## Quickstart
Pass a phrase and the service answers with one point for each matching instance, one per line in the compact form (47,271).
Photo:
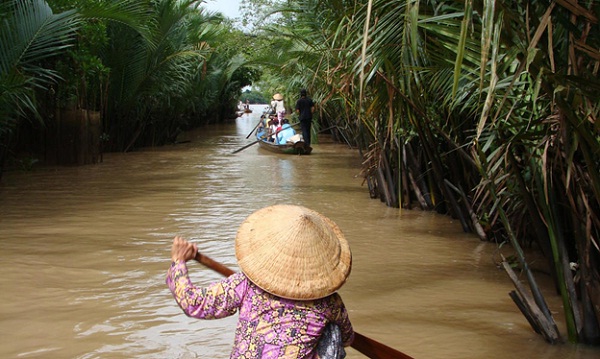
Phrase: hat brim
(293,252)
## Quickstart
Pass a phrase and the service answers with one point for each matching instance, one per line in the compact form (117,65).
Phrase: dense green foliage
(254,97)
(152,68)
(485,110)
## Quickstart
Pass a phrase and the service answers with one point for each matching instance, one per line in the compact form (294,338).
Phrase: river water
(85,251)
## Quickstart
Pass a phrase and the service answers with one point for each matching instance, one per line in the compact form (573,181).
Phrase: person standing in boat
(285,133)
(305,107)
(278,106)
(286,293)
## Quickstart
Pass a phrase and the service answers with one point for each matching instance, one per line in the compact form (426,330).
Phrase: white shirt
(278,105)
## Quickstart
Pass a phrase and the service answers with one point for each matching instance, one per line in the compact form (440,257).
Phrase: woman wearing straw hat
(278,106)
(291,267)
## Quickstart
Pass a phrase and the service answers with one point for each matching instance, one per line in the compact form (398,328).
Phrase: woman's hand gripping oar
(369,347)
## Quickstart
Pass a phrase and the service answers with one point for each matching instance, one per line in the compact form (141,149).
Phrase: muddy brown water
(85,252)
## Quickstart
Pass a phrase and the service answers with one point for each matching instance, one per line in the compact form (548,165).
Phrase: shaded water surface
(85,251)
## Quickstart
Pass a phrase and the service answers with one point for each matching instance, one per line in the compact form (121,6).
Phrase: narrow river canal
(85,252)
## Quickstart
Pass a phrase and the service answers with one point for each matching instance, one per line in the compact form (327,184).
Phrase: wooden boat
(294,146)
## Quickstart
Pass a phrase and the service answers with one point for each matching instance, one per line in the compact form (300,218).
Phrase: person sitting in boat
(273,129)
(285,133)
(292,266)
(268,130)
(260,129)
(266,122)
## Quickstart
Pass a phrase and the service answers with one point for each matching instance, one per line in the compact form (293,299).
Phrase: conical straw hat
(293,252)
(277,97)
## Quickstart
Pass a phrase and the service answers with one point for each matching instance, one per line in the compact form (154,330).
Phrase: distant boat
(243,108)
(242,111)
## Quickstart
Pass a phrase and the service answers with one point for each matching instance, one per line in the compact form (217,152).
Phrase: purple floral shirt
(269,327)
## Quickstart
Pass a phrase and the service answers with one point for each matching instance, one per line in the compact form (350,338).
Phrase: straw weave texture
(293,252)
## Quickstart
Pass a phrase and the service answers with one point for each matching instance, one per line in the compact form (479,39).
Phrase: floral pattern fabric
(269,327)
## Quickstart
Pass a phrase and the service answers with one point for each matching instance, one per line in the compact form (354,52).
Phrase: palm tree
(32,36)
(30,33)
(485,110)
(178,77)
(142,64)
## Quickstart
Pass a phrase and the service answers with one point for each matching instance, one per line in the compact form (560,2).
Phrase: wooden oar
(375,350)
(248,145)
(214,265)
(369,347)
